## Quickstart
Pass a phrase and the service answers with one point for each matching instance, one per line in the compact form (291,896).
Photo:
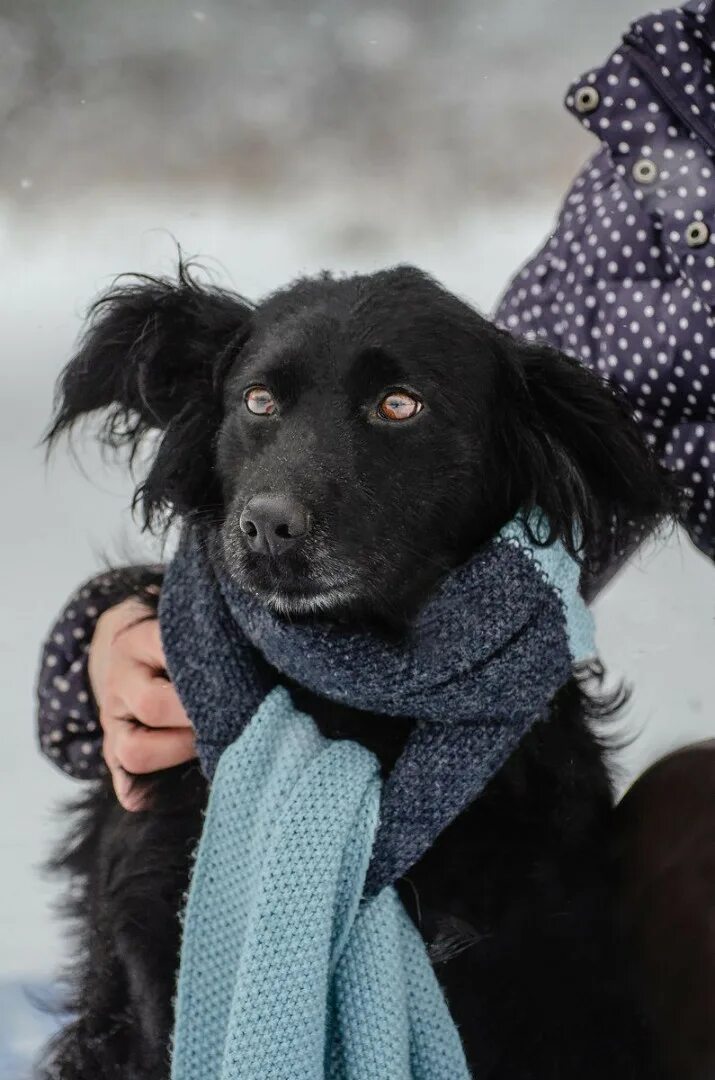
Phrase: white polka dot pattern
(626,282)
(69,729)
(68,725)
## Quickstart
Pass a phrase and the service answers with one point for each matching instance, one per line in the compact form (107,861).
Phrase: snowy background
(272,138)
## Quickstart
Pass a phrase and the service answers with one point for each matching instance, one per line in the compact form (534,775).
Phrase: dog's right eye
(259,401)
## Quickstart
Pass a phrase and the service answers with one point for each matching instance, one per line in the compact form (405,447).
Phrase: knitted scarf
(480,666)
(286,972)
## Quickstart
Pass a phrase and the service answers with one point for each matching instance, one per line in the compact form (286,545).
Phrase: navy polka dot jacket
(626,283)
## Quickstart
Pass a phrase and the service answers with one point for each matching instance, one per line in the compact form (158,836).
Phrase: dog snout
(273,524)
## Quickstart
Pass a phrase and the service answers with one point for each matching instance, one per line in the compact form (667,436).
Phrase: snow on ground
(657,623)
(27,1019)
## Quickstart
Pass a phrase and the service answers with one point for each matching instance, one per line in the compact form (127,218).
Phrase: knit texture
(286,972)
(480,666)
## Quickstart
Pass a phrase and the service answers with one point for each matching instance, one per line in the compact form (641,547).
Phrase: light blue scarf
(287,973)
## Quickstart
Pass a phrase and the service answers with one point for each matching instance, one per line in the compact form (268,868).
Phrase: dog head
(354,438)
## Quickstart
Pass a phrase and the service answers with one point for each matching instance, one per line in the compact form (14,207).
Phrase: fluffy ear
(577,452)
(152,358)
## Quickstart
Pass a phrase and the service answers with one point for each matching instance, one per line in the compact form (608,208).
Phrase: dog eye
(260,401)
(399,405)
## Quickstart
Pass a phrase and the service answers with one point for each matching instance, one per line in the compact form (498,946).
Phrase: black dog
(353,440)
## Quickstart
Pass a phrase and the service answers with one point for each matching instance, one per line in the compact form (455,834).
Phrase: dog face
(353,443)
(353,439)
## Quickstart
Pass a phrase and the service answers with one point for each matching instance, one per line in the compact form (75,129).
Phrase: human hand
(145,728)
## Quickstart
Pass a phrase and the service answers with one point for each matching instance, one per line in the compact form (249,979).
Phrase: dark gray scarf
(484,659)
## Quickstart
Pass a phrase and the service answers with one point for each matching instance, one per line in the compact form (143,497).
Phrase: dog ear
(153,358)
(577,452)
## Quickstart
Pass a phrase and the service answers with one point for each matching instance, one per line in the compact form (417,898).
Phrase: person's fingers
(130,750)
(132,686)
(153,701)
(126,659)
(123,635)
(128,795)
(141,641)
(139,750)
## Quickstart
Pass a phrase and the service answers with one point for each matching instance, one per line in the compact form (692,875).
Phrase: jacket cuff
(67,720)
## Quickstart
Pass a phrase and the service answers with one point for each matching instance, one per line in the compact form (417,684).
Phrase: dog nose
(272,524)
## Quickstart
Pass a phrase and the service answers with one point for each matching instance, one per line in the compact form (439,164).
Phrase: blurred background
(271,138)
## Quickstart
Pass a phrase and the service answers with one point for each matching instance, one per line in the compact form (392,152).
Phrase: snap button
(586,99)
(645,171)
(697,234)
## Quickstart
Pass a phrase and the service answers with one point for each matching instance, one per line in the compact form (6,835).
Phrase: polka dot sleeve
(626,280)
(68,724)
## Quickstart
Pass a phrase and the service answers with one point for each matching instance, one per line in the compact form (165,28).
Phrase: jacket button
(645,171)
(697,234)
(586,99)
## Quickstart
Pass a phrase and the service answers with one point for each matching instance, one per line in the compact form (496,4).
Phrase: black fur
(516,898)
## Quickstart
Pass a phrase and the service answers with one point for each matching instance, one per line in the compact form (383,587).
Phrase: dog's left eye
(260,401)
(399,405)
